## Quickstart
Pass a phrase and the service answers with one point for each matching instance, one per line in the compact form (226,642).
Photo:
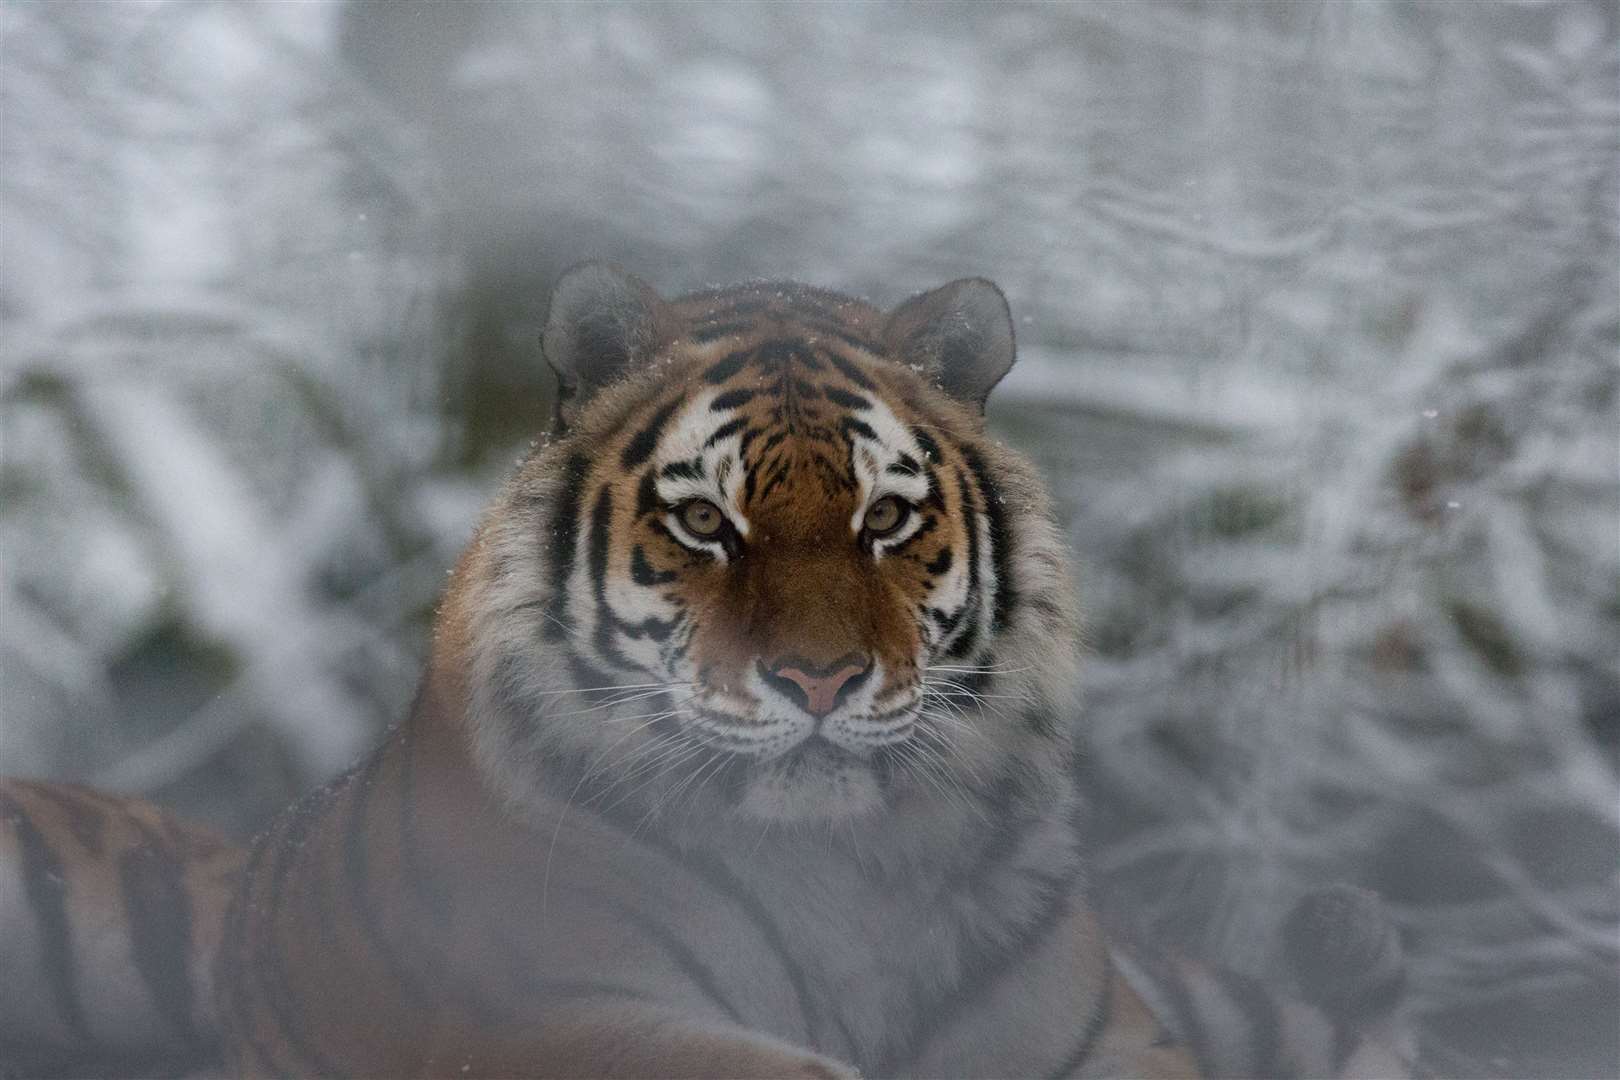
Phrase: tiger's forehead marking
(775,419)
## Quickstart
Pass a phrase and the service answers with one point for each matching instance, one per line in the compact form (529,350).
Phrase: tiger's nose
(818,689)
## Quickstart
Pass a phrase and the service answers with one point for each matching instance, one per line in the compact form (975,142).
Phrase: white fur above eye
(879,465)
(718,467)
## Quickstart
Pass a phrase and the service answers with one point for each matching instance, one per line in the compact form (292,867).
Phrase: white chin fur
(813,787)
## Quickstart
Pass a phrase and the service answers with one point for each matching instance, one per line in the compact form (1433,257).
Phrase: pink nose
(818,690)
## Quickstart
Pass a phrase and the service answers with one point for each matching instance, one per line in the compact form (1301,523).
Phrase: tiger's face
(794,554)
(772,568)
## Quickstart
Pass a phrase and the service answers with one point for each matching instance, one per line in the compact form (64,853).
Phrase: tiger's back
(743,747)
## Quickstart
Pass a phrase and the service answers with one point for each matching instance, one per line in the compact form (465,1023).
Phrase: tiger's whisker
(613,686)
(967,670)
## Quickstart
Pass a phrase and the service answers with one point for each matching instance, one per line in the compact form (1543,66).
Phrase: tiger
(744,749)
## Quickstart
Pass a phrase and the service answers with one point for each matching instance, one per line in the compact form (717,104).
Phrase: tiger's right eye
(885,516)
(702,518)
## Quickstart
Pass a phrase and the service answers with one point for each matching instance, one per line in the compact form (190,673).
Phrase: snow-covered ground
(1319,308)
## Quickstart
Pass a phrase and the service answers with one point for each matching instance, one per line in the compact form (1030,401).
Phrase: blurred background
(1319,316)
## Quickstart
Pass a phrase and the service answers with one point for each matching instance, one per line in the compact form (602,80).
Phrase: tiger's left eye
(885,516)
(702,518)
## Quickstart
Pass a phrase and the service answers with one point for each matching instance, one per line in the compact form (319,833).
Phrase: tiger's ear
(961,334)
(602,323)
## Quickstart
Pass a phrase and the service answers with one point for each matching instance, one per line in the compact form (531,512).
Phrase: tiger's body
(741,750)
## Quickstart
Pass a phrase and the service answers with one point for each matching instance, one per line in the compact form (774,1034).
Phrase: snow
(1319,325)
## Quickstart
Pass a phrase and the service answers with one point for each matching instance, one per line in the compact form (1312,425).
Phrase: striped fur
(110,919)
(643,820)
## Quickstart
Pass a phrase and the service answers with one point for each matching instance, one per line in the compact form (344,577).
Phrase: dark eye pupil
(702,518)
(884,516)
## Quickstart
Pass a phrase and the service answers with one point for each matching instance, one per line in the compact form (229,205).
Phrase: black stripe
(641,447)
(647,500)
(725,431)
(584,675)
(965,630)
(847,399)
(433,892)
(1004,597)
(229,990)
(941,563)
(969,630)
(905,466)
(564,522)
(844,334)
(715,331)
(47,887)
(653,629)
(837,477)
(779,473)
(85,820)
(686,960)
(1016,821)
(946,621)
(850,371)
(235,973)
(859,427)
(269,960)
(720,878)
(691,469)
(597,554)
(1101,1011)
(361,783)
(607,621)
(421,879)
(642,572)
(728,367)
(930,448)
(731,399)
(778,355)
(158,910)
(936,495)
(601,520)
(717,876)
(980,973)
(979,681)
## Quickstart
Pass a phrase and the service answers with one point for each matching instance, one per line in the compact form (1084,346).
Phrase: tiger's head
(769,565)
